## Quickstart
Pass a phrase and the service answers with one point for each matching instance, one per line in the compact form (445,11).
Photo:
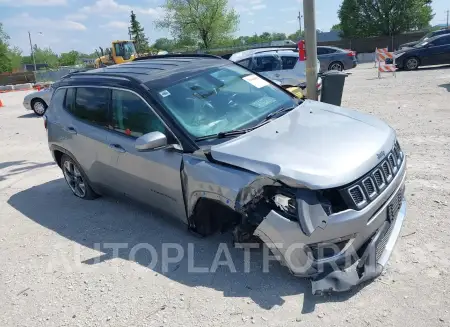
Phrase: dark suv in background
(425,38)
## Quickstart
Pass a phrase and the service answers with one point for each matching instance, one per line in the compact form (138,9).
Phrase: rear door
(84,123)
(153,176)
(324,54)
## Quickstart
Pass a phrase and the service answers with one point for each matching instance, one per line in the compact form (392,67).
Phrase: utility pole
(309,10)
(129,32)
(32,51)
(300,21)
(447,18)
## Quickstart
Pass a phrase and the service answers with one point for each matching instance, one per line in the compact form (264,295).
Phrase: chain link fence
(53,75)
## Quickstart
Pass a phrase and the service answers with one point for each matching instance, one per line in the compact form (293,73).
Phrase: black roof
(159,71)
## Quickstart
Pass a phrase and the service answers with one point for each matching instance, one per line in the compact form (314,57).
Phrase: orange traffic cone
(1,103)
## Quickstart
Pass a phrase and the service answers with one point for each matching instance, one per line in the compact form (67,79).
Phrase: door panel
(152,176)
(83,122)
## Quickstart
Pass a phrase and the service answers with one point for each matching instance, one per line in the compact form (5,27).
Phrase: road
(57,270)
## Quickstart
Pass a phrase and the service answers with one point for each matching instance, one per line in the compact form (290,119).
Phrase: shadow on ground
(30,115)
(23,166)
(107,220)
(446,86)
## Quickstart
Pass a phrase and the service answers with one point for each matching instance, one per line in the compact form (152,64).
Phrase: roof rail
(181,55)
(275,50)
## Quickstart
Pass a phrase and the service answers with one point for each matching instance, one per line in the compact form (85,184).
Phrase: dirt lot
(52,273)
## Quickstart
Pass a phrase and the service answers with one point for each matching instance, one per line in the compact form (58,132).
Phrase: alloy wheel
(74,179)
(39,107)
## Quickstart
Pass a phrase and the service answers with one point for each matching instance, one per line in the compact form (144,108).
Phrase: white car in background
(277,64)
(38,101)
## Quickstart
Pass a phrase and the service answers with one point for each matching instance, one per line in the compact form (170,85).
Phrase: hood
(316,145)
(408,45)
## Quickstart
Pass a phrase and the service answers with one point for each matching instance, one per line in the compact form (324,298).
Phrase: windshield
(425,37)
(421,44)
(125,50)
(222,99)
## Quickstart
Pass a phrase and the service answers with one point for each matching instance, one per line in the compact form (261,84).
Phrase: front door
(153,176)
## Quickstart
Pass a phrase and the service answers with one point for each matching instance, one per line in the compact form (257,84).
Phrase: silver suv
(219,147)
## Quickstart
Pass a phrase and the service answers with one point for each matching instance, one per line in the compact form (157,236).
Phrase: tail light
(351,53)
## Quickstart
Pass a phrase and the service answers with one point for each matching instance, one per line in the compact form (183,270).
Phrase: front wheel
(411,63)
(39,107)
(76,179)
(336,65)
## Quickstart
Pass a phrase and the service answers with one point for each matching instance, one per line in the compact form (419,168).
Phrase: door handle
(70,130)
(117,148)
(277,75)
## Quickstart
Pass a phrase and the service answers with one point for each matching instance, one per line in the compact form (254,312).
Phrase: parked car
(425,38)
(333,58)
(220,147)
(433,51)
(38,101)
(277,64)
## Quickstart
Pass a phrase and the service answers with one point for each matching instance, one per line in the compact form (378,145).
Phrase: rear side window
(58,98)
(289,62)
(91,105)
(68,101)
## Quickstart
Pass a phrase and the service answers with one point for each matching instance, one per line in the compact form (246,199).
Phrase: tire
(76,179)
(336,65)
(39,107)
(411,63)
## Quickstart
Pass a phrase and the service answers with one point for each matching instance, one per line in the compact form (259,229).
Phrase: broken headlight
(285,203)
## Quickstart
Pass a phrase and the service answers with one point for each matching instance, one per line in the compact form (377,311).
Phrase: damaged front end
(316,235)
(337,237)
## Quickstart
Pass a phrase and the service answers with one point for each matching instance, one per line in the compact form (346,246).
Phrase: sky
(84,25)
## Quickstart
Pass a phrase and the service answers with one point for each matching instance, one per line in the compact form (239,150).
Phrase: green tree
(69,58)
(361,18)
(208,21)
(15,55)
(297,36)
(5,60)
(138,35)
(336,27)
(164,44)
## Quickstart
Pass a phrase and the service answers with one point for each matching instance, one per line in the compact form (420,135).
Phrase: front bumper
(368,244)
(27,105)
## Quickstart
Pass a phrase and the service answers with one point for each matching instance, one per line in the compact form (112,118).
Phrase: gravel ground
(52,273)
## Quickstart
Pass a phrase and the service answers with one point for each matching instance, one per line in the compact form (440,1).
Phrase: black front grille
(357,194)
(379,179)
(371,185)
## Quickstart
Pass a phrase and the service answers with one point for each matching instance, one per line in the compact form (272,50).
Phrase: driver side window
(132,116)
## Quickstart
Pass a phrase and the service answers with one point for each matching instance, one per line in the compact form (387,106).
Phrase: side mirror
(150,141)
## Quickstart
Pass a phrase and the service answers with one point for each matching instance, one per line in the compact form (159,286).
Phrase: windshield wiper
(279,112)
(236,132)
(222,135)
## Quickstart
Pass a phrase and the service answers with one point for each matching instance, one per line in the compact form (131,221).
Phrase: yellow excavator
(120,52)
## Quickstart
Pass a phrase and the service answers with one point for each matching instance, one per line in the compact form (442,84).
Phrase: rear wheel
(39,107)
(336,65)
(76,179)
(412,63)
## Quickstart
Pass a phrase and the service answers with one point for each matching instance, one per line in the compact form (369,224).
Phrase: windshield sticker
(164,93)
(263,102)
(255,81)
